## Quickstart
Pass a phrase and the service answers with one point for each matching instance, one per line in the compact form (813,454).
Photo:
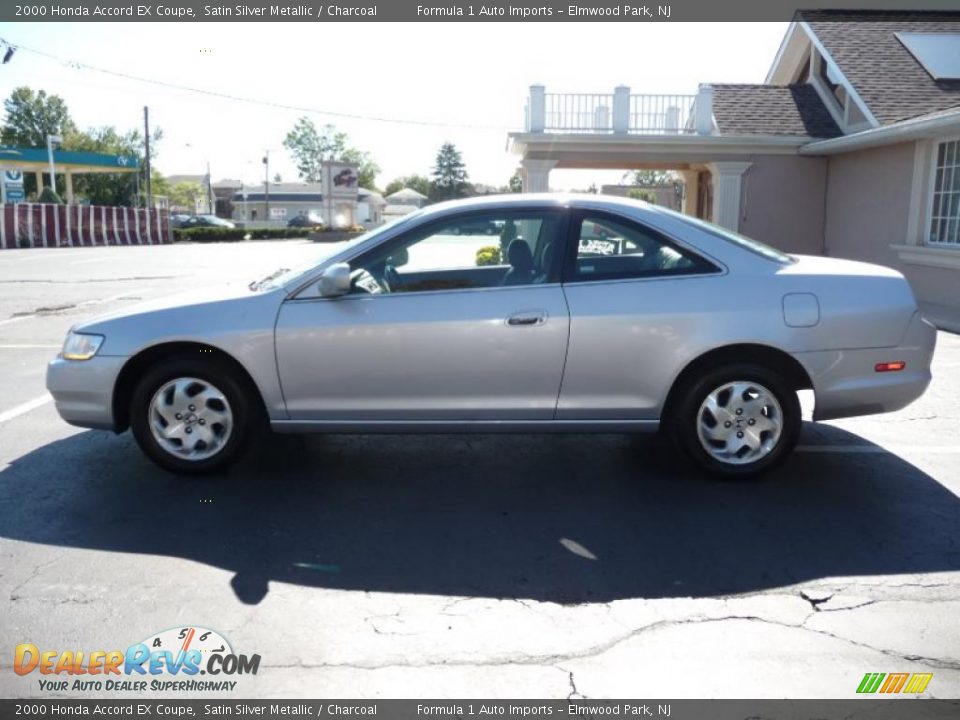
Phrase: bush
(49,196)
(275,233)
(220,234)
(210,234)
(489,255)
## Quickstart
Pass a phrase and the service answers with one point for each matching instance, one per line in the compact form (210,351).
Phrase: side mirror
(335,280)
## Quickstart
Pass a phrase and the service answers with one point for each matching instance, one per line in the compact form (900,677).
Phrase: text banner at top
(443,10)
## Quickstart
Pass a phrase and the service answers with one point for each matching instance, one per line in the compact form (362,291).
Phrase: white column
(704,110)
(621,109)
(727,181)
(537,109)
(536,174)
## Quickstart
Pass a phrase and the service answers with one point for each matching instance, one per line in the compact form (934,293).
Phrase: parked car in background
(177,219)
(680,326)
(306,220)
(475,227)
(206,221)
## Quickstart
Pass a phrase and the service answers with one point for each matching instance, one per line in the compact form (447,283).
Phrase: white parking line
(25,407)
(26,347)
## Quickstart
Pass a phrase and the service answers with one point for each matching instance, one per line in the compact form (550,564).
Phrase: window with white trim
(945,215)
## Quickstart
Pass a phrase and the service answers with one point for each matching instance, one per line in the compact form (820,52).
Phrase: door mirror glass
(335,280)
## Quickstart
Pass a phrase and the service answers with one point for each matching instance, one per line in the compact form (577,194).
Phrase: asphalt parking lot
(469,566)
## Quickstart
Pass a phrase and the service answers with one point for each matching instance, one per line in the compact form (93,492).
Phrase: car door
(637,300)
(438,326)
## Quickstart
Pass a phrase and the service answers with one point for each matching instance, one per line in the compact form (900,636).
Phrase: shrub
(49,196)
(489,255)
(220,234)
(209,234)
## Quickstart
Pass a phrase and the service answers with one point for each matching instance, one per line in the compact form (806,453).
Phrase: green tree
(449,174)
(184,195)
(310,148)
(29,118)
(515,184)
(115,188)
(415,182)
(651,177)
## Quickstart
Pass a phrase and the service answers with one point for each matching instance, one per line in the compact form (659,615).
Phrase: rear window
(754,246)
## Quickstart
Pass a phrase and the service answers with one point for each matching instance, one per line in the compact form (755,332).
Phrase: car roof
(521,200)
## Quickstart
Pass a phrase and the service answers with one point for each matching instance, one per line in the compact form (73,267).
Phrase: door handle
(527,318)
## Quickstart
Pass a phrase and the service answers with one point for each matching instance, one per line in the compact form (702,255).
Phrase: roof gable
(885,75)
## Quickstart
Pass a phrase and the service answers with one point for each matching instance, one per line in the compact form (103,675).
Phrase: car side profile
(605,315)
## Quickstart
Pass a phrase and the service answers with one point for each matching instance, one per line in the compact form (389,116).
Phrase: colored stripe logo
(914,683)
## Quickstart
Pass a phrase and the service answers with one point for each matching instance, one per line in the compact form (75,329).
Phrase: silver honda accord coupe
(524,313)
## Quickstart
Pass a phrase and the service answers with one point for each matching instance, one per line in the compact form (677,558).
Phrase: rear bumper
(83,391)
(846,384)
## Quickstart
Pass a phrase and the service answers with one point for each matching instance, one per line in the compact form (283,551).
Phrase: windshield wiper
(257,284)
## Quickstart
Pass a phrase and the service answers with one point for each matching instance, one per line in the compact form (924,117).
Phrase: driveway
(469,566)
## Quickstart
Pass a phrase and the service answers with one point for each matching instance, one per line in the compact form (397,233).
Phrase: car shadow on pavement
(568,519)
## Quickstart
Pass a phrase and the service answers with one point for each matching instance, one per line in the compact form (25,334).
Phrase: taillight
(895,366)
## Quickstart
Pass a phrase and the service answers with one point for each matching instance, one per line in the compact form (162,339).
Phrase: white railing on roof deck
(619,112)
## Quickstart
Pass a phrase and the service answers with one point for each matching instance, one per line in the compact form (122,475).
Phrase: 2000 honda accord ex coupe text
(562,314)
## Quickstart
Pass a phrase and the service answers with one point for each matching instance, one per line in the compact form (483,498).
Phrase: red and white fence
(28,225)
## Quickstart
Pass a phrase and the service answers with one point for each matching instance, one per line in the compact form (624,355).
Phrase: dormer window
(836,94)
(938,53)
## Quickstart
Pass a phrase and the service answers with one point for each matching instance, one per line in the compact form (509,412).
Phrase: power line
(77,65)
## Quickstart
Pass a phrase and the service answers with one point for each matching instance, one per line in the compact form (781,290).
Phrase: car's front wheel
(192,416)
(737,420)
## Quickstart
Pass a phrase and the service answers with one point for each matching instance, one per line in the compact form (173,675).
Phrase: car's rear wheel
(192,416)
(738,420)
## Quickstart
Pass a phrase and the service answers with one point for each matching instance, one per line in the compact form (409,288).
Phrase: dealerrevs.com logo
(169,661)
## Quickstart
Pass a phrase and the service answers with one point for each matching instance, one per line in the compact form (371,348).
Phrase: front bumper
(83,390)
(846,384)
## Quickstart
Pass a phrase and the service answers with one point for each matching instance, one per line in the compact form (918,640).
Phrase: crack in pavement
(574,693)
(553,659)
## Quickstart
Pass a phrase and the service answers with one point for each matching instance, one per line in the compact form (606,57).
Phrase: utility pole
(211,199)
(146,143)
(266,183)
(51,139)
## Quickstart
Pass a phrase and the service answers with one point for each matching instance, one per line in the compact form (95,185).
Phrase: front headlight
(79,346)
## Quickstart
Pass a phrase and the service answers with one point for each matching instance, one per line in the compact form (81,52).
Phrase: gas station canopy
(66,162)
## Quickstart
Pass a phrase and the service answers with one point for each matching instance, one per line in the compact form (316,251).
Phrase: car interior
(606,250)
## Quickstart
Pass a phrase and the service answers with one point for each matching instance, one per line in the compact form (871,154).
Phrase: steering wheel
(391,278)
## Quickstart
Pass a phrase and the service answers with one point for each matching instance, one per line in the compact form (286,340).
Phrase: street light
(51,139)
(211,199)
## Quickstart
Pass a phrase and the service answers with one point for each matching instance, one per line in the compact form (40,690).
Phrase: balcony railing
(619,112)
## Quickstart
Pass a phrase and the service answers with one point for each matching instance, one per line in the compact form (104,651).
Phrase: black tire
(684,419)
(246,412)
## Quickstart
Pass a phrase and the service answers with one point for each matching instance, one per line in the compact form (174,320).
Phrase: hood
(181,300)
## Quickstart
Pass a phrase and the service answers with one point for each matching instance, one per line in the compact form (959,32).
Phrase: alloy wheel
(740,422)
(190,418)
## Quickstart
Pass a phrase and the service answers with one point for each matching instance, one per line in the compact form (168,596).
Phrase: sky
(466,83)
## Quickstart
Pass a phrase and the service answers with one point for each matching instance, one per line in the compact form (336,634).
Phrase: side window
(476,250)
(614,249)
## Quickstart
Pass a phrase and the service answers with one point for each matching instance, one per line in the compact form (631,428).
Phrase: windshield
(281,276)
(754,246)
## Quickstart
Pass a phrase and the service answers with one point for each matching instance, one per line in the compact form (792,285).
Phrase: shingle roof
(884,73)
(772,110)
